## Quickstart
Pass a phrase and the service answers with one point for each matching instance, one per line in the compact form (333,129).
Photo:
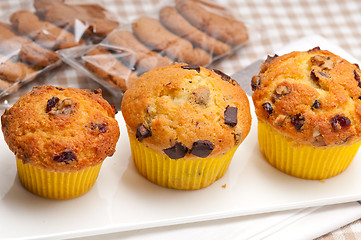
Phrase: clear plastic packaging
(31,35)
(195,32)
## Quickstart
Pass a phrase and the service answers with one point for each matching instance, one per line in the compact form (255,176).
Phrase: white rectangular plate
(123,200)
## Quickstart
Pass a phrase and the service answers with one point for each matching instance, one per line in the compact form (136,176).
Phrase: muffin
(308,106)
(184,124)
(60,138)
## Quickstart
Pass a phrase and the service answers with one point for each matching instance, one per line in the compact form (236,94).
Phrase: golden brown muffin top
(61,129)
(187,111)
(313,97)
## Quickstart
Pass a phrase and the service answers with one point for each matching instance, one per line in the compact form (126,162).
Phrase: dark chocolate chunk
(65,157)
(51,103)
(316,104)
(357,77)
(358,67)
(315,48)
(314,77)
(298,120)
(60,89)
(192,67)
(338,122)
(177,151)
(255,82)
(102,127)
(230,116)
(202,148)
(97,91)
(224,76)
(142,132)
(268,107)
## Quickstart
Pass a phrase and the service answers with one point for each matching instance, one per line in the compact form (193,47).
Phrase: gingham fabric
(272,24)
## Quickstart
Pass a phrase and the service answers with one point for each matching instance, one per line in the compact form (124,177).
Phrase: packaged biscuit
(188,31)
(31,34)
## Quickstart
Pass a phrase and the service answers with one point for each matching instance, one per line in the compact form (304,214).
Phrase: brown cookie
(170,17)
(44,33)
(25,49)
(152,33)
(15,71)
(93,17)
(145,59)
(222,28)
(102,63)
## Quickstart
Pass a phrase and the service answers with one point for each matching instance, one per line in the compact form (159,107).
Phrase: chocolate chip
(102,127)
(268,107)
(60,89)
(358,67)
(51,103)
(97,91)
(230,116)
(298,120)
(224,76)
(255,82)
(316,104)
(142,132)
(313,76)
(202,148)
(338,122)
(357,77)
(177,151)
(65,157)
(314,49)
(192,67)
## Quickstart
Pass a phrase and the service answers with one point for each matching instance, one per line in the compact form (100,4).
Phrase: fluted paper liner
(184,173)
(56,185)
(306,162)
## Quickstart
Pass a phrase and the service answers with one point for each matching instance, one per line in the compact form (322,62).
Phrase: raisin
(192,67)
(177,151)
(202,148)
(142,132)
(65,157)
(339,122)
(255,82)
(298,120)
(316,104)
(268,107)
(51,103)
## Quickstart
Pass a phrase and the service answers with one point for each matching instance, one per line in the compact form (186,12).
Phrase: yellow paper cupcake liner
(56,185)
(184,174)
(306,162)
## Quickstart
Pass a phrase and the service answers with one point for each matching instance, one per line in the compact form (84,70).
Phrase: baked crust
(48,135)
(185,104)
(313,97)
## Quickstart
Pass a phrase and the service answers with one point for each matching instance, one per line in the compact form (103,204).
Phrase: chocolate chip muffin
(308,106)
(184,124)
(60,137)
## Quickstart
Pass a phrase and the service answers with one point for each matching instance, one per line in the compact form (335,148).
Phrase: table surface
(272,24)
